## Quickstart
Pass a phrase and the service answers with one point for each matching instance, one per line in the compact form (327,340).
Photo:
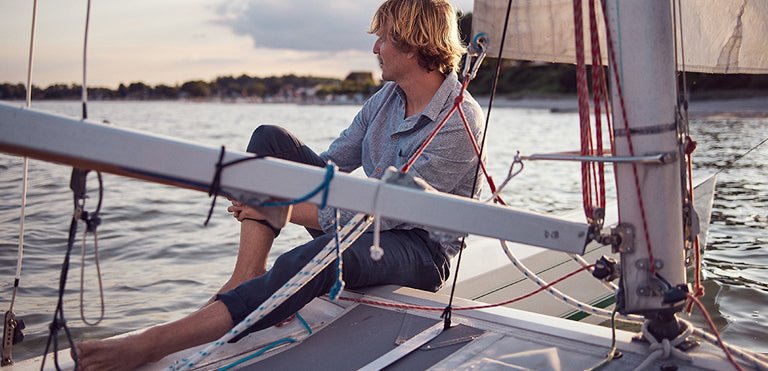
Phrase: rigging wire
(730,163)
(447,311)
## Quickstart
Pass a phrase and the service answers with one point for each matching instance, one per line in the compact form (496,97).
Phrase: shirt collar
(435,105)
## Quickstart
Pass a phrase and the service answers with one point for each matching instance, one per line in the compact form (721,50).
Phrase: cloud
(312,25)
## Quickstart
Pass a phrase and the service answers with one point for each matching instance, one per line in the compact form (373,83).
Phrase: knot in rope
(56,325)
(698,291)
(665,348)
(92,220)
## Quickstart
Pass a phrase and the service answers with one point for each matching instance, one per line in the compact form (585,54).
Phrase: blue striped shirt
(381,136)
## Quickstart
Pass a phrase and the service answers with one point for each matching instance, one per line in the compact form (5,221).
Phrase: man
(418,48)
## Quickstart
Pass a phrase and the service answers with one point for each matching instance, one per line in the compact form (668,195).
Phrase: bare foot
(124,353)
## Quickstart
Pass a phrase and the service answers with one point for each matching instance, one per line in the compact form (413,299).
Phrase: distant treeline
(517,79)
(221,87)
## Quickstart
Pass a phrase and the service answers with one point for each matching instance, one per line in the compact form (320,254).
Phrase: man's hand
(241,212)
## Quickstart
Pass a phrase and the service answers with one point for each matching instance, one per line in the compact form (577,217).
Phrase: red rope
(485,306)
(598,82)
(612,56)
(584,121)
(698,288)
(714,329)
(456,107)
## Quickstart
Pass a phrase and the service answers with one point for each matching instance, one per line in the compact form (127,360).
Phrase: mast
(643,38)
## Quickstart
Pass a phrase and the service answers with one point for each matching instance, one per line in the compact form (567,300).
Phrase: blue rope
(324,187)
(270,346)
(338,286)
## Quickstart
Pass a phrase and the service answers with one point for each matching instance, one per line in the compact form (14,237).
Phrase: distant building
(361,78)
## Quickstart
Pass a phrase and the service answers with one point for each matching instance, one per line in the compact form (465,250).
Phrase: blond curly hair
(428,27)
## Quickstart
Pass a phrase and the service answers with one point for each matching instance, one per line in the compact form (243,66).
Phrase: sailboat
(397,327)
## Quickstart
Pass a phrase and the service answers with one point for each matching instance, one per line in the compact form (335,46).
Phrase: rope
(98,275)
(713,328)
(351,231)
(579,305)
(84,89)
(25,165)
(510,174)
(270,346)
(23,209)
(665,348)
(613,353)
(338,286)
(59,322)
(473,307)
(215,187)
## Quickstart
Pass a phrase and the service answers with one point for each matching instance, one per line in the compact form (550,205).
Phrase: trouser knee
(269,140)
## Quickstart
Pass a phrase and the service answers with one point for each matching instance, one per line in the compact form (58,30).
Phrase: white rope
(584,307)
(755,359)
(25,165)
(84,87)
(82,278)
(665,348)
(376,251)
(326,256)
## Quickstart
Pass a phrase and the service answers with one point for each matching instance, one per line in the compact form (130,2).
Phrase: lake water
(159,262)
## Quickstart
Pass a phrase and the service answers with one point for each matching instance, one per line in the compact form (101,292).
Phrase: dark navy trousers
(410,258)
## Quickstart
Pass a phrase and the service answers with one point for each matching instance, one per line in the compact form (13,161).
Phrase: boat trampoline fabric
(364,334)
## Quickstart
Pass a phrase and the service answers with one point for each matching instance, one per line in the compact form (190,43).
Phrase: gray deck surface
(364,334)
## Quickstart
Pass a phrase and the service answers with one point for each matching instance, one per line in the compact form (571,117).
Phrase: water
(159,263)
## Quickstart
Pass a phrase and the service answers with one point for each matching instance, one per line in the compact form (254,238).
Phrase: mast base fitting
(665,325)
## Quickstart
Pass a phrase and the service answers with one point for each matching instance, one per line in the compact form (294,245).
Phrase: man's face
(394,62)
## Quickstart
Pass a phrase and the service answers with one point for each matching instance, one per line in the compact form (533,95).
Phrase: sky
(173,41)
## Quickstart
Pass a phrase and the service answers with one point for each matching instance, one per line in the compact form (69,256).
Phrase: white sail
(719,36)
